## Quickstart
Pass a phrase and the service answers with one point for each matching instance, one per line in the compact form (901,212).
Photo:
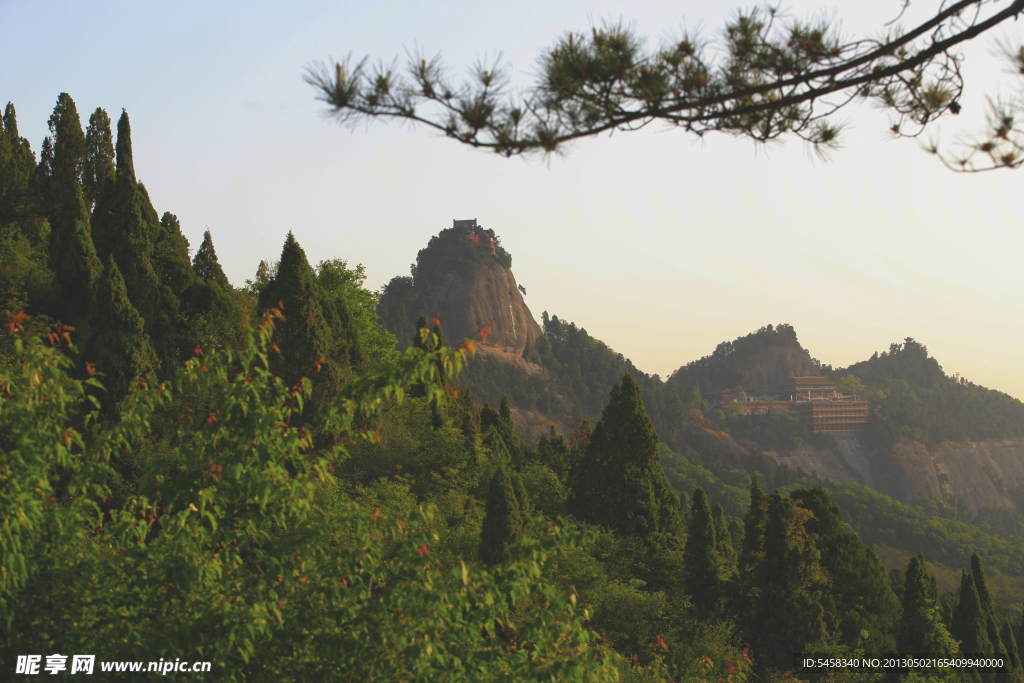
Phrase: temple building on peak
(815,400)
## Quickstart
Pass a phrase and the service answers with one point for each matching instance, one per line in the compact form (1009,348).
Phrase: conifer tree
(968,623)
(1020,637)
(620,484)
(788,616)
(525,511)
(98,163)
(125,225)
(553,451)
(17,165)
(1009,643)
(73,258)
(723,543)
(180,297)
(64,167)
(119,346)
(753,528)
(500,524)
(921,630)
(309,346)
(700,554)
(859,598)
(206,265)
(989,610)
(170,256)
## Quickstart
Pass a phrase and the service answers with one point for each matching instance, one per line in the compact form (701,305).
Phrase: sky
(659,244)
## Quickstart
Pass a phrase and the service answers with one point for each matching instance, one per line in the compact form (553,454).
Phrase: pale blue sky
(656,243)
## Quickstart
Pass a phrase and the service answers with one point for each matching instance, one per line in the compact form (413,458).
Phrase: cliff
(463,278)
(486,297)
(982,474)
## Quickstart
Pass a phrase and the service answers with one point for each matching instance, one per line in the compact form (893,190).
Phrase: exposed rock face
(980,473)
(768,368)
(463,278)
(485,298)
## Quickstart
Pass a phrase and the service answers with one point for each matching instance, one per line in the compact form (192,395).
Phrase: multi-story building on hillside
(815,400)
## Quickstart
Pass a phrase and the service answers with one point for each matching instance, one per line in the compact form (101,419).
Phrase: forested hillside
(263,478)
(916,400)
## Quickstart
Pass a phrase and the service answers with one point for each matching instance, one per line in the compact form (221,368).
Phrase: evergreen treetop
(65,167)
(206,265)
(501,523)
(620,483)
(968,624)
(921,629)
(700,554)
(98,164)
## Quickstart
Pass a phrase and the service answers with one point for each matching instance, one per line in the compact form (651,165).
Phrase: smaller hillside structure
(815,400)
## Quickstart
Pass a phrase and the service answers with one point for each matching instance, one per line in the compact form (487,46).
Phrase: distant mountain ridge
(929,435)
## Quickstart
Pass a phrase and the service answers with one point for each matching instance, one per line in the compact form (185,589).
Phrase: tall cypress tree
(118,345)
(17,165)
(500,524)
(206,265)
(98,163)
(170,256)
(989,610)
(621,484)
(788,615)
(921,630)
(309,346)
(64,168)
(700,554)
(125,226)
(73,258)
(968,623)
(723,543)
(859,598)
(753,528)
(1010,647)
(525,511)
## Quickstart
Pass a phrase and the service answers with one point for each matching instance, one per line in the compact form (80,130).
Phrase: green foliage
(502,522)
(765,80)
(62,169)
(701,554)
(776,429)
(916,400)
(229,554)
(98,162)
(921,630)
(206,265)
(17,166)
(788,611)
(119,345)
(317,337)
(126,226)
(969,620)
(723,543)
(583,371)
(73,258)
(725,367)
(620,484)
(337,280)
